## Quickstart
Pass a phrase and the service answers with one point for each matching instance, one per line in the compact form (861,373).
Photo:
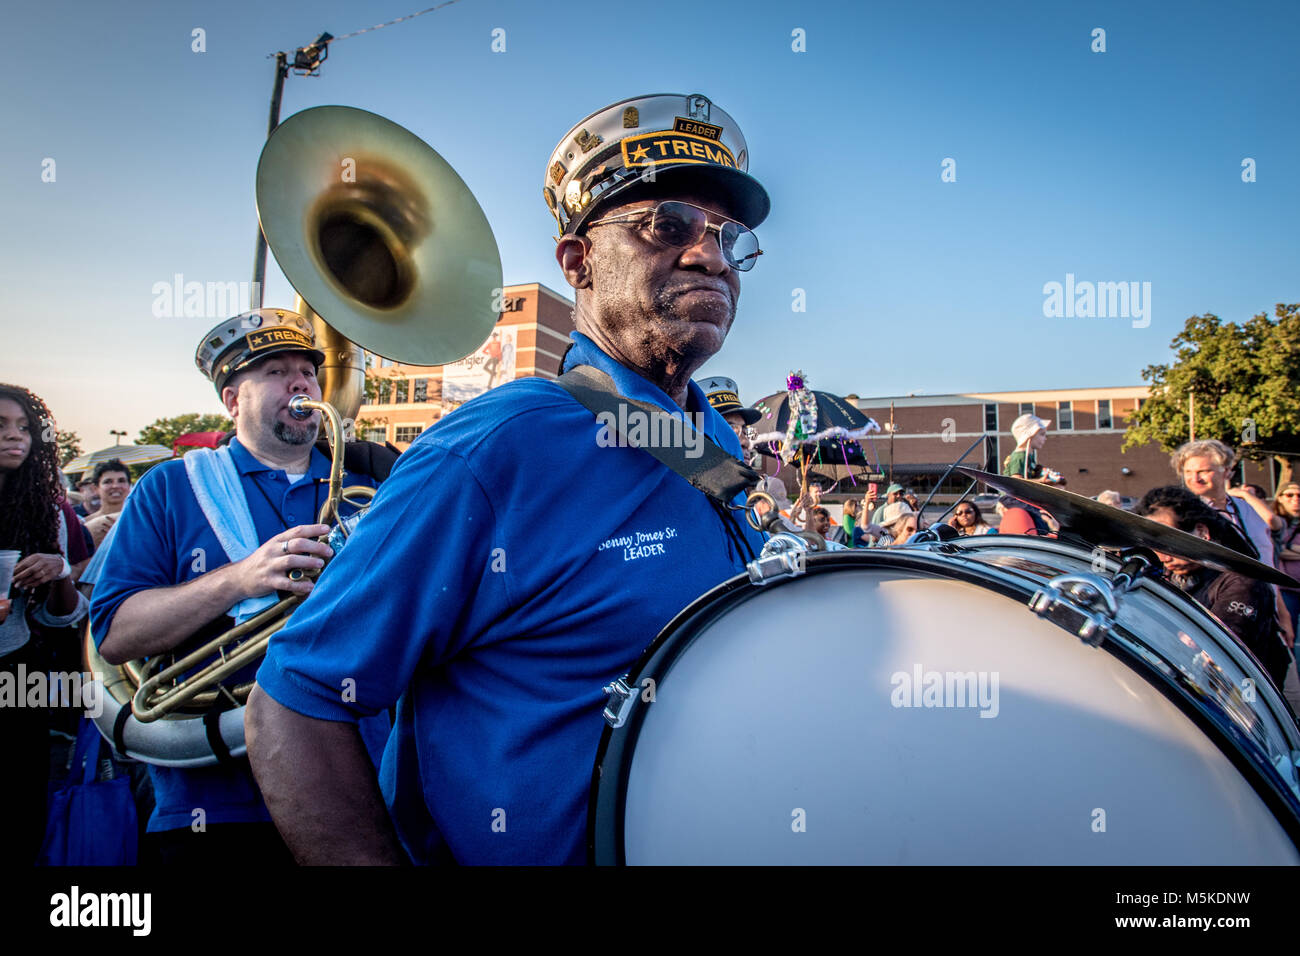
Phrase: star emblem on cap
(639,154)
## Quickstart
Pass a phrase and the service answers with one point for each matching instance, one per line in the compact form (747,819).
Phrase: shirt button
(292,519)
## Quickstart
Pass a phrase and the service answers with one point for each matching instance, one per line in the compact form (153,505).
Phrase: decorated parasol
(802,427)
(800,422)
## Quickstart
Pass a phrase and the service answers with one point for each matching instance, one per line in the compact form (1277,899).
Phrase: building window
(408,433)
(1141,402)
(385,363)
(421,390)
(1103,413)
(376,434)
(383,392)
(991,418)
(1026,408)
(1064,416)
(400,391)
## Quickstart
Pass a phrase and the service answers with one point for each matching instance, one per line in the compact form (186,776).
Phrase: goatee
(295,433)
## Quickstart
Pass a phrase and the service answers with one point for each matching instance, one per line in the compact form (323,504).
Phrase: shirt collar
(246,464)
(586,352)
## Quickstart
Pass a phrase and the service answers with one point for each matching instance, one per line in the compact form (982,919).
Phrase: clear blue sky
(1115,166)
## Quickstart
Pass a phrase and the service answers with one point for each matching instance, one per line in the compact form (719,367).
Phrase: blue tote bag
(91,822)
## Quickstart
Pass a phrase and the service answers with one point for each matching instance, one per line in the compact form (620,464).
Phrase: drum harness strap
(716,473)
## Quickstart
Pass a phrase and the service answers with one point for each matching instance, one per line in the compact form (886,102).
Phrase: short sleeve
(411,586)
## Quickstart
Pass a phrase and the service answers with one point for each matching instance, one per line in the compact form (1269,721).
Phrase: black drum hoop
(608,798)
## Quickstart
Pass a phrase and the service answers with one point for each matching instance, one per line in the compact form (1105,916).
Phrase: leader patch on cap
(652,145)
(725,398)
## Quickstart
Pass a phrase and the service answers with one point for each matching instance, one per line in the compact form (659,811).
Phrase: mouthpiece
(297,407)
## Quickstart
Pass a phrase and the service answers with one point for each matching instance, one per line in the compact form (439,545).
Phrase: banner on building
(491,365)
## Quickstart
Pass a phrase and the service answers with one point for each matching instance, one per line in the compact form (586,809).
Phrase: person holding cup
(36,586)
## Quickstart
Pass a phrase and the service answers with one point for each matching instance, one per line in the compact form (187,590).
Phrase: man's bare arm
(157,620)
(320,786)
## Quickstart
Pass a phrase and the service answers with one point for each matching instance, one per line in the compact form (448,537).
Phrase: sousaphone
(389,252)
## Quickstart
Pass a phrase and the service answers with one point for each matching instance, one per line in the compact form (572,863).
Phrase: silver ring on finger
(285,547)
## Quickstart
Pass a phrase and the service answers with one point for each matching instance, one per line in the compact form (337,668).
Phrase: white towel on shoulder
(220,494)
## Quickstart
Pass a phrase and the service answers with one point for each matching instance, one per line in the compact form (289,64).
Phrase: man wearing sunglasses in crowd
(548,559)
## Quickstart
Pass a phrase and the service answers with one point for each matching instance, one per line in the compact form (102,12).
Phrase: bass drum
(906,706)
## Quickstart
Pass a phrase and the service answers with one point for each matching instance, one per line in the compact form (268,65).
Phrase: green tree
(69,446)
(165,431)
(1237,383)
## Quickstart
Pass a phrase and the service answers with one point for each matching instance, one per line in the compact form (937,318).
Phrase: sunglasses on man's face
(681,225)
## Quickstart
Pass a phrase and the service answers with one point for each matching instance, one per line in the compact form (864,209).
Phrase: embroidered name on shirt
(640,544)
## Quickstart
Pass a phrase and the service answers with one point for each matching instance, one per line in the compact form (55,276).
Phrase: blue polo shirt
(163,539)
(510,567)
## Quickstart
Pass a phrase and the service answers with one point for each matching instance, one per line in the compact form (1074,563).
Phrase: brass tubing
(147,707)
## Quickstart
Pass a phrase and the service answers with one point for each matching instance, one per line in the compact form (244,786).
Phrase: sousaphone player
(215,535)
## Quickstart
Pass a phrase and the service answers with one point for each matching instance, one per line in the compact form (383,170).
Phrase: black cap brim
(743,196)
(748,415)
(239,363)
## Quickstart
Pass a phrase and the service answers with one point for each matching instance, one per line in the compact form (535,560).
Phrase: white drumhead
(780,736)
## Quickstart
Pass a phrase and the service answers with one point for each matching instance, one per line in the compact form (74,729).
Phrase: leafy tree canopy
(165,431)
(1243,382)
(69,444)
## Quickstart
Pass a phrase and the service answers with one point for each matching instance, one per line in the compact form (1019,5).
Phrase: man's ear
(572,253)
(230,398)
(1201,532)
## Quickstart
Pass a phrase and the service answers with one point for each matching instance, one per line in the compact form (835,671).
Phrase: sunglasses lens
(677,224)
(739,246)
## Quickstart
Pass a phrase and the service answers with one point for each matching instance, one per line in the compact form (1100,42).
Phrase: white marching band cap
(724,396)
(239,342)
(648,145)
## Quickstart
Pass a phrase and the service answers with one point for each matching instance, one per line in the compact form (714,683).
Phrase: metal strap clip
(784,556)
(621,700)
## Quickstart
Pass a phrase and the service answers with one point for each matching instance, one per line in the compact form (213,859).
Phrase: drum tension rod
(1136,564)
(1082,603)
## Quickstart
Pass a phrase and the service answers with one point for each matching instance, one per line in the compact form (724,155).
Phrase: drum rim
(1169,594)
(607,799)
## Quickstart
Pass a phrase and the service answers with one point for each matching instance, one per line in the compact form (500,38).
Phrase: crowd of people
(435,703)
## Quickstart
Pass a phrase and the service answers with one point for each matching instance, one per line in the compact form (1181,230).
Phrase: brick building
(534,327)
(930,431)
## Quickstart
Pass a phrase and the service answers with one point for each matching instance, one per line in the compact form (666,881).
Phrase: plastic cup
(8,560)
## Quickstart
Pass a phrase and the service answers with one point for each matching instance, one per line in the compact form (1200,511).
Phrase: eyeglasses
(964,514)
(681,225)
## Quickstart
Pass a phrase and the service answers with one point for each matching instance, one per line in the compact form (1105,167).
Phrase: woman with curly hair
(34,521)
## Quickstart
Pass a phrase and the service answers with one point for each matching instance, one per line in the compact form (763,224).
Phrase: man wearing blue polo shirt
(517,560)
(170,581)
